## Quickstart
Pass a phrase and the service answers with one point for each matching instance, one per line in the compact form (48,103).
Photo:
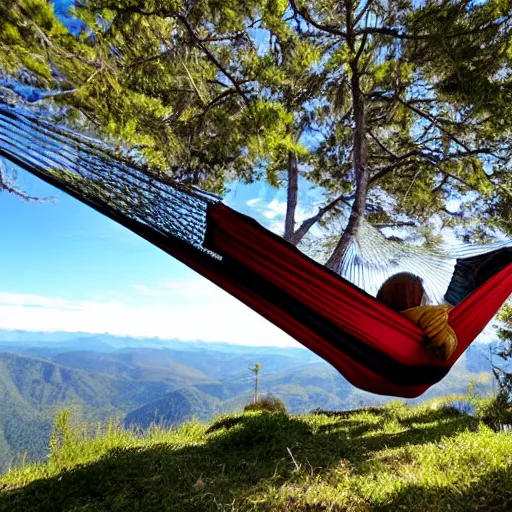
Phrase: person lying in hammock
(404,293)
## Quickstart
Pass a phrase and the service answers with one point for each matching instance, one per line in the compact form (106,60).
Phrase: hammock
(373,347)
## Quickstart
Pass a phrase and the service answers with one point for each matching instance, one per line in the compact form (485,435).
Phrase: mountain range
(140,381)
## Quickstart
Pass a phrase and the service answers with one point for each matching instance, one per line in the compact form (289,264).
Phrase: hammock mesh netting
(95,174)
(371,259)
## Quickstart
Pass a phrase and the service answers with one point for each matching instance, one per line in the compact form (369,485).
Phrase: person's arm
(433,321)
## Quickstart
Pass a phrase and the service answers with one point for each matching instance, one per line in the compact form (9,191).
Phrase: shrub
(268,403)
(496,411)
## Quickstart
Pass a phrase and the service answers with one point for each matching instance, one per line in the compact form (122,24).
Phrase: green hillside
(422,458)
(32,390)
(169,386)
(43,384)
(24,432)
(174,409)
(138,364)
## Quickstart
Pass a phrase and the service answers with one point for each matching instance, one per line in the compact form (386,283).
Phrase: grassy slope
(396,458)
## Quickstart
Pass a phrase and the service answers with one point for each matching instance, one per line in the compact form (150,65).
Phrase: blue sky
(63,266)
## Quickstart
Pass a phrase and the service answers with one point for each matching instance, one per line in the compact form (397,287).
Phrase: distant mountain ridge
(173,409)
(110,341)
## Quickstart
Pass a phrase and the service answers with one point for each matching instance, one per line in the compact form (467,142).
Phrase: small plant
(62,432)
(269,403)
(496,412)
(471,393)
(256,369)
(64,436)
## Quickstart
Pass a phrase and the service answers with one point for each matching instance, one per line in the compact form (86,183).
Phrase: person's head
(402,291)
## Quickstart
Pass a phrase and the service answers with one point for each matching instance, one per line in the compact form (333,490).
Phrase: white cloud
(271,211)
(275,208)
(275,211)
(18,300)
(253,202)
(212,315)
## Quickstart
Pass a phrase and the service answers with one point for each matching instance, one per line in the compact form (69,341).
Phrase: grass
(423,458)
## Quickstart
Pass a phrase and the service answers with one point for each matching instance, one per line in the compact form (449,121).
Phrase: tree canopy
(396,111)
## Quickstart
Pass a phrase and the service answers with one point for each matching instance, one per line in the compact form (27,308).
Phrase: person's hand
(433,321)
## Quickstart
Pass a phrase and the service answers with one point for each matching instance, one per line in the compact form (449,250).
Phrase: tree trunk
(256,386)
(292,196)
(304,228)
(360,172)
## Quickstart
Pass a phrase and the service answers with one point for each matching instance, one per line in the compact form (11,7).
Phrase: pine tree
(504,350)
(396,111)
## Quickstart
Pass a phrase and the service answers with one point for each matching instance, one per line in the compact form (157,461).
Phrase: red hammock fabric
(355,312)
(375,348)
(336,299)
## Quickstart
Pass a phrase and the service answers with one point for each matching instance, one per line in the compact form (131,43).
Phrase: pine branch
(209,55)
(307,224)
(363,11)
(394,224)
(383,171)
(49,43)
(392,31)
(438,123)
(398,160)
(399,34)
(303,12)
(459,215)
(218,99)
(198,41)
